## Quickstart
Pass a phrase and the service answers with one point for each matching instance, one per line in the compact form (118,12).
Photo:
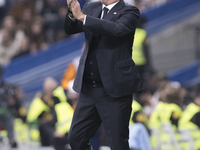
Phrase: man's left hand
(76,10)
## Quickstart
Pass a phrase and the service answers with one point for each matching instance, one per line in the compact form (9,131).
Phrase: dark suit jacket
(114,50)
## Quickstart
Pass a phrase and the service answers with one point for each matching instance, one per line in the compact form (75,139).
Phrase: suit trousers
(94,107)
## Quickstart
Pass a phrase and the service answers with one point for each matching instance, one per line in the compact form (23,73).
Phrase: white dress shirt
(109,8)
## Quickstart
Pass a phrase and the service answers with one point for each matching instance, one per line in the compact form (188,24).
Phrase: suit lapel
(97,11)
(115,10)
(112,13)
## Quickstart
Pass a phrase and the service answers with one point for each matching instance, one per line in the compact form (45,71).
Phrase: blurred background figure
(166,115)
(61,121)
(138,114)
(50,11)
(173,99)
(189,123)
(37,38)
(139,137)
(141,49)
(4,9)
(68,80)
(24,48)
(41,108)
(138,126)
(10,108)
(10,40)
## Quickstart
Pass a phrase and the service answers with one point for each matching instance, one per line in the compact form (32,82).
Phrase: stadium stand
(187,76)
(174,34)
(169,13)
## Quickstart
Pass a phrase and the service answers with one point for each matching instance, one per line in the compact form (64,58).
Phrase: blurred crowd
(29,26)
(164,116)
(170,114)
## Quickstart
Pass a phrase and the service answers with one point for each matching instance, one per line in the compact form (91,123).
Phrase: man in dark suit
(106,77)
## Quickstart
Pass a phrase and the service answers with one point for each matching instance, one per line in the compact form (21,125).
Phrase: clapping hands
(75,8)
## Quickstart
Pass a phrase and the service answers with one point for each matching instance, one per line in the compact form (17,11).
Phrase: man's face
(108,2)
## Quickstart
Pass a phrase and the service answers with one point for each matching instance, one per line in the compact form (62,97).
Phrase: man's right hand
(76,10)
(69,2)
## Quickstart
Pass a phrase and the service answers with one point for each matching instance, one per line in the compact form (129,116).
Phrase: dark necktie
(105,12)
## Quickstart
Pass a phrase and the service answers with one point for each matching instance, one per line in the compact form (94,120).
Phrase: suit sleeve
(73,26)
(126,24)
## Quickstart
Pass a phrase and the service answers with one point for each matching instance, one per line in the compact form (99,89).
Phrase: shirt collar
(109,6)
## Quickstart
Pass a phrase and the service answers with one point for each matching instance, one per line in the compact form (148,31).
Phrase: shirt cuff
(84,20)
(73,19)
